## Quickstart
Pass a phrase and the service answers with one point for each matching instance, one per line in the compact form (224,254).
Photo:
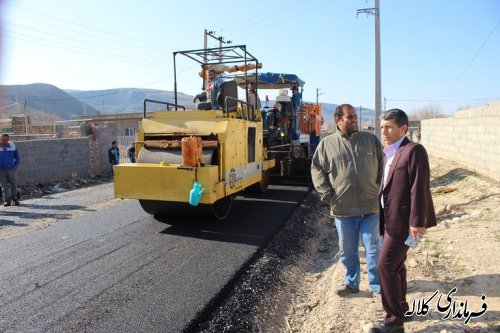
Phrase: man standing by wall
(114,155)
(131,152)
(406,209)
(9,160)
(346,171)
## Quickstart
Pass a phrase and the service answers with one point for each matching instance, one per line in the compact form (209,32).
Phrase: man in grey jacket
(346,171)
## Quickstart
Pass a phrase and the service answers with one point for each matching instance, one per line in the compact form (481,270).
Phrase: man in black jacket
(114,155)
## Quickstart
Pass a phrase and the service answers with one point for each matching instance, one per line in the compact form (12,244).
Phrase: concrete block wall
(105,136)
(99,144)
(48,160)
(53,159)
(471,137)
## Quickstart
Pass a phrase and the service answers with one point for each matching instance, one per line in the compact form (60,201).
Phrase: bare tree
(464,107)
(427,112)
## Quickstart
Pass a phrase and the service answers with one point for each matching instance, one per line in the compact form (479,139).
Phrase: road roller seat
(228,88)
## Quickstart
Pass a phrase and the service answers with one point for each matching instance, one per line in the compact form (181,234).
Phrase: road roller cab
(292,128)
(193,162)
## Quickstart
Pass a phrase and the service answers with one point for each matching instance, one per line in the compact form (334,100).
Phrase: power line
(263,17)
(6,106)
(123,55)
(81,43)
(151,59)
(86,26)
(474,57)
(443,100)
(286,18)
(77,49)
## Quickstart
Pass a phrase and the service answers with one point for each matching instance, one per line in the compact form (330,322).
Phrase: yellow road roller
(194,162)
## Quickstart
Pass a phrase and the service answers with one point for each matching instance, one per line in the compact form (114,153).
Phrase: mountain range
(45,102)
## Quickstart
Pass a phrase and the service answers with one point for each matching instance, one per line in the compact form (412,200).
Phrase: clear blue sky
(441,52)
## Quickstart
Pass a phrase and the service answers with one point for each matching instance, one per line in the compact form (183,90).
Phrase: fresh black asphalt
(121,270)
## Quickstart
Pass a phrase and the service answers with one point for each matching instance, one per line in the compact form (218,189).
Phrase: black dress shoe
(407,319)
(388,329)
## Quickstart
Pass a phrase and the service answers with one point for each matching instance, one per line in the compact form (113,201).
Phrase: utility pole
(102,107)
(205,58)
(25,116)
(317,95)
(360,119)
(378,90)
(220,39)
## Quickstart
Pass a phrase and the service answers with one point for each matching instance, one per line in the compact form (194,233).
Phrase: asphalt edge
(234,308)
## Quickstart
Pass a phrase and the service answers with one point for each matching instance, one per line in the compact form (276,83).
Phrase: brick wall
(99,144)
(471,137)
(47,160)
(53,159)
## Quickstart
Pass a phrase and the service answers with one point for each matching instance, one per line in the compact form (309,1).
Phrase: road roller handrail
(245,113)
(164,103)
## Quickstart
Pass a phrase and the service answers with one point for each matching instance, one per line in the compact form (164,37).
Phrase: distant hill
(328,110)
(366,117)
(127,100)
(43,102)
(130,100)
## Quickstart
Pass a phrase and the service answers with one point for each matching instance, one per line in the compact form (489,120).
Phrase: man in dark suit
(406,208)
